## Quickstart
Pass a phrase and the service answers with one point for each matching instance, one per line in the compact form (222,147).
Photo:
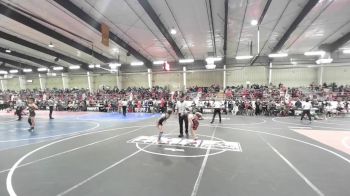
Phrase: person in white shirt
(306,109)
(182,112)
(51,104)
(217,110)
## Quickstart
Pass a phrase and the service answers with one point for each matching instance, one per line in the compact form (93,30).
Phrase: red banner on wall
(105,34)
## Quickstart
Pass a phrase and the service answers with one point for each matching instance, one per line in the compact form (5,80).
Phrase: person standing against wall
(124,106)
(113,105)
(19,108)
(51,104)
(182,112)
(217,110)
(150,106)
(298,104)
(257,107)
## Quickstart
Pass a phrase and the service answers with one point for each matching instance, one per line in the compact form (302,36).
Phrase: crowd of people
(82,99)
(282,101)
(252,99)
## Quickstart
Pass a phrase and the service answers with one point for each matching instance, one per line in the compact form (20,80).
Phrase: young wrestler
(194,122)
(31,108)
(160,122)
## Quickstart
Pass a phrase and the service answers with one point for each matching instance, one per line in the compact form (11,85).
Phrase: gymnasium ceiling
(140,31)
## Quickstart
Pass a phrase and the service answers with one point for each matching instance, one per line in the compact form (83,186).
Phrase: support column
(258,40)
(65,80)
(119,79)
(149,78)
(184,77)
(89,81)
(2,82)
(320,75)
(224,82)
(270,73)
(22,82)
(42,81)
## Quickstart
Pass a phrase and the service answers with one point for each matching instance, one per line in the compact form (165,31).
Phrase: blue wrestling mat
(130,117)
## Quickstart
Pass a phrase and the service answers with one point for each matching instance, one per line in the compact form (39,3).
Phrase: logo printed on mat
(178,142)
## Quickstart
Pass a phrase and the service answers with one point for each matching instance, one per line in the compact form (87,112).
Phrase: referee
(51,104)
(181,110)
(217,110)
(306,109)
(124,106)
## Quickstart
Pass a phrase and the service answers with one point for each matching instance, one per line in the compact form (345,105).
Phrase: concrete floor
(93,154)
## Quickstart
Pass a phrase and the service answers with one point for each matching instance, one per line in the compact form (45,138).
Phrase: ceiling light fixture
(319,34)
(3,72)
(210,66)
(315,53)
(114,65)
(213,59)
(136,63)
(97,65)
(278,55)
(13,71)
(8,50)
(42,69)
(186,60)
(115,50)
(73,67)
(346,51)
(27,70)
(91,66)
(324,61)
(210,62)
(58,68)
(173,31)
(254,22)
(51,45)
(158,62)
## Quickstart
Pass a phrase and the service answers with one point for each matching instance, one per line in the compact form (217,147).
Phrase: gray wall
(340,75)
(257,75)
(294,77)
